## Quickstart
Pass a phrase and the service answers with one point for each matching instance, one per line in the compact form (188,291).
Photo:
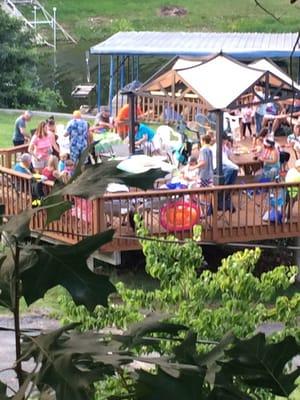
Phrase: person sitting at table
(147,139)
(270,159)
(35,186)
(24,165)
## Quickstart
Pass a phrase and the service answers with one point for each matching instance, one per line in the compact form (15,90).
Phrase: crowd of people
(46,157)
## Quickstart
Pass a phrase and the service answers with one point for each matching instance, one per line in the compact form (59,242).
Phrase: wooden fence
(237,213)
(9,156)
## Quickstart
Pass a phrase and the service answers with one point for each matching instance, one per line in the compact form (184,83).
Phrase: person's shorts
(18,142)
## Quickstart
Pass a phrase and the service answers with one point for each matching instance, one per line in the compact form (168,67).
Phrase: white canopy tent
(268,65)
(222,80)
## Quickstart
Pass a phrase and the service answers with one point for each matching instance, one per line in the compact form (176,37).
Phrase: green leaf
(93,180)
(211,358)
(56,210)
(7,271)
(259,364)
(186,352)
(5,298)
(153,323)
(71,362)
(18,225)
(66,266)
(228,393)
(3,389)
(188,386)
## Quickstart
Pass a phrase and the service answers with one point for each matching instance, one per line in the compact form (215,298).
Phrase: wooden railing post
(215,216)
(99,224)
(7,160)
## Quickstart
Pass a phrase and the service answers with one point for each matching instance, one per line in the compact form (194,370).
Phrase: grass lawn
(7,121)
(99,19)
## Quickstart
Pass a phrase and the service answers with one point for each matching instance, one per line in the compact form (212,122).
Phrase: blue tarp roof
(237,45)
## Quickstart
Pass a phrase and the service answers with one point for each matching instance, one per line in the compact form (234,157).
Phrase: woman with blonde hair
(40,147)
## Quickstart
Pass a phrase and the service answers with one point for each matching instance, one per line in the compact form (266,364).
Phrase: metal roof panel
(238,45)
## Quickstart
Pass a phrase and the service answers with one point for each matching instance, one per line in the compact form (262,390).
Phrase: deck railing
(237,213)
(162,109)
(9,156)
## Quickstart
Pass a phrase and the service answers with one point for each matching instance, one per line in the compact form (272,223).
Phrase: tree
(20,85)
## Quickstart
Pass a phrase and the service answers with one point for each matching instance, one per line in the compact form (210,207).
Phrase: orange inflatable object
(179,215)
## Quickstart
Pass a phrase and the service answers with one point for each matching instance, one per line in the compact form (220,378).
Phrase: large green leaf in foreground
(162,385)
(71,361)
(259,364)
(3,391)
(66,266)
(93,180)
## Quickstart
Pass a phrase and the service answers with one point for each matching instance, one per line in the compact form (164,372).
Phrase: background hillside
(97,19)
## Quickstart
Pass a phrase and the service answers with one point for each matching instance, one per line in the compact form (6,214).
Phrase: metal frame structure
(126,48)
(11,7)
(132,45)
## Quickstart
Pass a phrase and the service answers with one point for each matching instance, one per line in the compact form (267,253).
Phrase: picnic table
(247,161)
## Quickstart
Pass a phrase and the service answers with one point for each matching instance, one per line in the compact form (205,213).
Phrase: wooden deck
(237,213)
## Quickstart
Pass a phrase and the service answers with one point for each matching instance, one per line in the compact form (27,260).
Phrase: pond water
(67,68)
